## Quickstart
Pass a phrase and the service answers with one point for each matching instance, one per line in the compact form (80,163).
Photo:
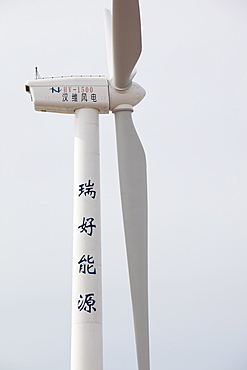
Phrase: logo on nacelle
(53,89)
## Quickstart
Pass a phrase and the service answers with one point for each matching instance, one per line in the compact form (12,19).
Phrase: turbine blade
(108,34)
(133,187)
(127,43)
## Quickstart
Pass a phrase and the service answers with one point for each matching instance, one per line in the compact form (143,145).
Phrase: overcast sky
(193,125)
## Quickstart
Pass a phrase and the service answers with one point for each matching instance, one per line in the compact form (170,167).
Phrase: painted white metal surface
(86,340)
(133,187)
(126,36)
(131,96)
(66,94)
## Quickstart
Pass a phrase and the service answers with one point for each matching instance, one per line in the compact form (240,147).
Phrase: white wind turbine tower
(87,97)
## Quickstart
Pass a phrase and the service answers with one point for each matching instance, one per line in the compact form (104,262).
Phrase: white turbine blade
(108,34)
(126,41)
(133,186)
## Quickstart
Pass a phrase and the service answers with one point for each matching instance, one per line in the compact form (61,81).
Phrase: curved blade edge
(127,44)
(133,187)
(108,35)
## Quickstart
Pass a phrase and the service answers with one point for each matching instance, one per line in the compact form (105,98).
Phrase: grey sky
(193,125)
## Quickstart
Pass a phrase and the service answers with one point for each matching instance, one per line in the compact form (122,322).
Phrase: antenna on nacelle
(37,75)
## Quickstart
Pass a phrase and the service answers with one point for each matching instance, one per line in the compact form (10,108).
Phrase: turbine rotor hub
(120,99)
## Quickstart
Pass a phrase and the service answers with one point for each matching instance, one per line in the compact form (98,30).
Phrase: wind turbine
(86,97)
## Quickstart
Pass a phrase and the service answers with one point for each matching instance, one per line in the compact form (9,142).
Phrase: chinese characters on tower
(86,301)
(86,265)
(87,189)
(87,226)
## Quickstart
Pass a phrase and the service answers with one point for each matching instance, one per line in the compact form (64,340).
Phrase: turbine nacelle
(66,94)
